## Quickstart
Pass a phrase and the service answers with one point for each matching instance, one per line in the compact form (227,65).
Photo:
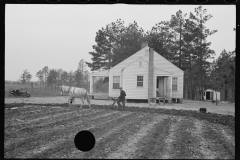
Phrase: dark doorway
(207,95)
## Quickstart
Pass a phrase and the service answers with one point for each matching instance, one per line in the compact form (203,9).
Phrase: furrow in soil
(220,142)
(67,145)
(171,139)
(37,128)
(102,135)
(60,137)
(203,148)
(20,112)
(51,132)
(21,120)
(153,145)
(128,149)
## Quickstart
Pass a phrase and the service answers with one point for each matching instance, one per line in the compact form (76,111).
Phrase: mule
(75,92)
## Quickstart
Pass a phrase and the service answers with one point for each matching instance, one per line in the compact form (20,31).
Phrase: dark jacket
(122,95)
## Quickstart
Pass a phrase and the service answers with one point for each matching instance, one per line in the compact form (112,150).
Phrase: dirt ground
(226,109)
(47,131)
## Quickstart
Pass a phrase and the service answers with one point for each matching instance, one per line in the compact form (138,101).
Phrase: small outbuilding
(210,94)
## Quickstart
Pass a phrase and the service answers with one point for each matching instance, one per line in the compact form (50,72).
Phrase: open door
(208,96)
(161,87)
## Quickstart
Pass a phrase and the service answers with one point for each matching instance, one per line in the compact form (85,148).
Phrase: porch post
(171,86)
(91,84)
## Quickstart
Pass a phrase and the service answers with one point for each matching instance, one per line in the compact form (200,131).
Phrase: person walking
(121,98)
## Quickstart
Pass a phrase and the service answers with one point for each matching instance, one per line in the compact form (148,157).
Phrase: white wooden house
(144,75)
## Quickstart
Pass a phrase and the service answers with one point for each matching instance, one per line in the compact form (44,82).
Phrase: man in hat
(121,98)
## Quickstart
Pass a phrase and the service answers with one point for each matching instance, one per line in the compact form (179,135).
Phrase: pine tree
(114,44)
(201,45)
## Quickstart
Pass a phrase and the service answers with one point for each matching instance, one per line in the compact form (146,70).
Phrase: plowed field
(47,131)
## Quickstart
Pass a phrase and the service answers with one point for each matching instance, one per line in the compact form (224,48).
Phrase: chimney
(144,43)
(150,74)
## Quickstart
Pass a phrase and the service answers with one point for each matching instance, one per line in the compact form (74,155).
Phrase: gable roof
(211,90)
(141,53)
(156,53)
(133,62)
(137,55)
(163,72)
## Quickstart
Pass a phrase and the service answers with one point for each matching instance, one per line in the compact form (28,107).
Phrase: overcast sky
(59,36)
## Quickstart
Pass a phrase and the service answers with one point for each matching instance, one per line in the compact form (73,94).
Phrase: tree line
(51,78)
(182,40)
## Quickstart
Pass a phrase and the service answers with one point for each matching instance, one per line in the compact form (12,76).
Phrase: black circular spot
(84,140)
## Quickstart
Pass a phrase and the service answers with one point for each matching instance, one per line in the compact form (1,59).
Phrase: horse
(64,89)
(75,92)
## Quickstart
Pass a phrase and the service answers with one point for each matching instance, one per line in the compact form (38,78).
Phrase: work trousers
(123,103)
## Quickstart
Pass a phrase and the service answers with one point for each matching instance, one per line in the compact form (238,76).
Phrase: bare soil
(221,108)
(47,130)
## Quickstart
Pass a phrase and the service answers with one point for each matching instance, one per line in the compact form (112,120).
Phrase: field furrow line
(111,143)
(204,145)
(51,144)
(228,137)
(186,143)
(24,108)
(42,111)
(28,121)
(152,145)
(227,134)
(101,134)
(171,137)
(45,132)
(30,113)
(67,141)
(59,133)
(34,128)
(127,150)
(31,109)
(221,141)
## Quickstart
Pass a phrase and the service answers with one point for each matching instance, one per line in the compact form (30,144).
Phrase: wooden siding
(179,92)
(131,70)
(163,64)
(116,70)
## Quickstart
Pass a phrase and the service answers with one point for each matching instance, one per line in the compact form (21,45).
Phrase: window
(139,81)
(174,84)
(116,82)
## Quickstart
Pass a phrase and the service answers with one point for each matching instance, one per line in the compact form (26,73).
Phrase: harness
(69,89)
(74,90)
(85,96)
